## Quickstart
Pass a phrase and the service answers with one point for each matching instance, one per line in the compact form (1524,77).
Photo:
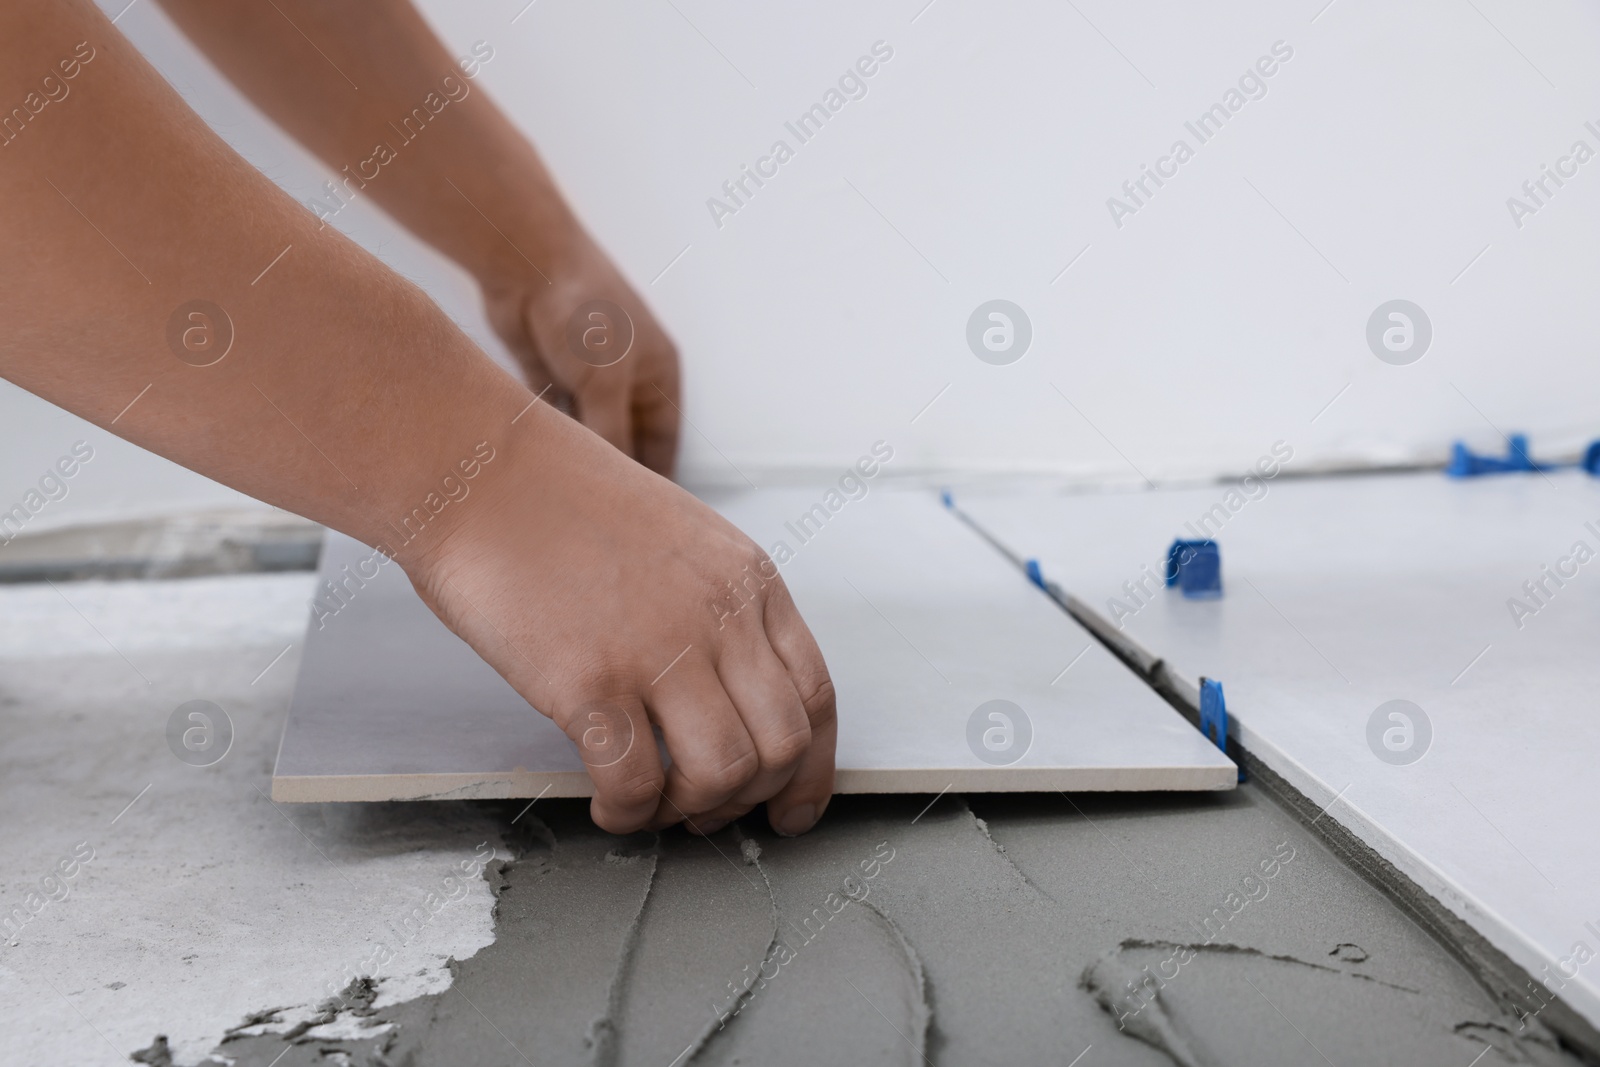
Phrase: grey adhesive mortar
(1002,930)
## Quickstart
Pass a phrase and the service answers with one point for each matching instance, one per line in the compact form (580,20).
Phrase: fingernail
(705,829)
(798,820)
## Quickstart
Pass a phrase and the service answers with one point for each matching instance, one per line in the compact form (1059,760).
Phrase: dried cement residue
(205,904)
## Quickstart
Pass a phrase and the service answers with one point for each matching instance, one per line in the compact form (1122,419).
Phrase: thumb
(585,360)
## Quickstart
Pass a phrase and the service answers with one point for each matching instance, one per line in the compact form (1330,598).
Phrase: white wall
(1224,315)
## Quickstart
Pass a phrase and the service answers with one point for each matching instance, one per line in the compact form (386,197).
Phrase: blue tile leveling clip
(1214,715)
(1195,567)
(1465,463)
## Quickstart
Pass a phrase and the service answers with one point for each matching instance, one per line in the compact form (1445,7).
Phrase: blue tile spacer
(1591,458)
(946,499)
(1213,712)
(1517,454)
(1196,568)
(1035,575)
(1465,463)
(1214,715)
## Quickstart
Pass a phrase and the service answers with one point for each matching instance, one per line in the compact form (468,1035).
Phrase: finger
(778,725)
(798,806)
(801,802)
(618,749)
(599,391)
(536,373)
(512,329)
(712,821)
(657,421)
(759,685)
(713,757)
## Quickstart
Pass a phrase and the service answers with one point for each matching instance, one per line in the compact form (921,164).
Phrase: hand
(496,215)
(601,592)
(592,584)
(619,376)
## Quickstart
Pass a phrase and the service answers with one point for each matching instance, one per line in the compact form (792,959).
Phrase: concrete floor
(213,925)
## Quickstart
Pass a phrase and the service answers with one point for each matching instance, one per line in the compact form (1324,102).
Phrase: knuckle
(637,788)
(754,562)
(609,687)
(787,750)
(603,388)
(815,687)
(745,578)
(728,773)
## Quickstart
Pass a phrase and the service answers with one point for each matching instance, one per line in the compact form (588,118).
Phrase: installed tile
(1343,594)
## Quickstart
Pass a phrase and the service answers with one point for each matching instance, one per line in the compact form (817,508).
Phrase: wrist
(541,263)
(536,475)
(522,233)
(435,486)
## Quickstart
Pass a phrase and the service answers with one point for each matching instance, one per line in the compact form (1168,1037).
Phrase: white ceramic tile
(920,620)
(1341,594)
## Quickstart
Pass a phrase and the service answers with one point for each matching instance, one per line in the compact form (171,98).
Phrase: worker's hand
(615,602)
(586,334)
(474,188)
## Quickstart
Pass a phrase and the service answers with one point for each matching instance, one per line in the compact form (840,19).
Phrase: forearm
(346,396)
(370,89)
(367,86)
(122,206)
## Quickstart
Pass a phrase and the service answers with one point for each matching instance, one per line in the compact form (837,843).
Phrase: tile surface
(1343,594)
(921,623)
